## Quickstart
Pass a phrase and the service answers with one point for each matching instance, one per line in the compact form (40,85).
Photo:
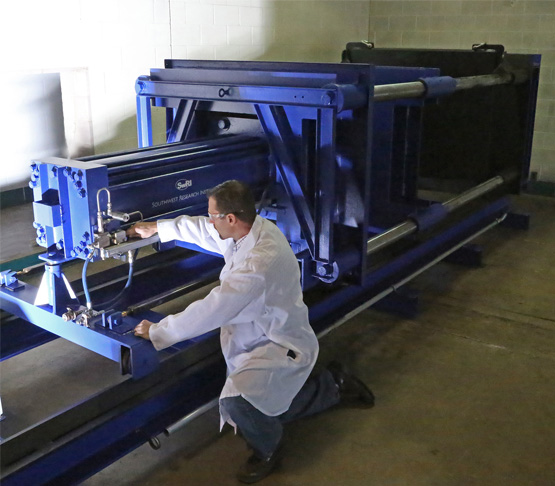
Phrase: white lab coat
(258,307)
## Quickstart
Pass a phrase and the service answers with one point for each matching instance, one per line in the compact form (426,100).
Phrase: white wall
(31,104)
(100,47)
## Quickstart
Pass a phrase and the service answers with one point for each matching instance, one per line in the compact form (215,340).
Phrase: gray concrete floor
(465,392)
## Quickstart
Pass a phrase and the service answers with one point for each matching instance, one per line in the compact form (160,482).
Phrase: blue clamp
(429,217)
(111,321)
(347,96)
(439,86)
(9,280)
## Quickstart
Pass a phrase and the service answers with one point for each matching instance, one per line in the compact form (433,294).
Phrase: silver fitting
(70,315)
(85,318)
(118,237)
(119,215)
(73,314)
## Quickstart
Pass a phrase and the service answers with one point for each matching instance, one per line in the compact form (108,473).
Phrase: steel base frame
(150,405)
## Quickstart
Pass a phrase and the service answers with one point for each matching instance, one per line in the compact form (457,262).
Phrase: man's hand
(144,229)
(143,329)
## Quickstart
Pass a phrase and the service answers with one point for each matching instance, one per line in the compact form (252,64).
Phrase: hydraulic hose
(132,256)
(84,280)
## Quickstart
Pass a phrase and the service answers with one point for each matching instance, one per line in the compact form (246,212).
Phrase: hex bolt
(325,269)
(224,124)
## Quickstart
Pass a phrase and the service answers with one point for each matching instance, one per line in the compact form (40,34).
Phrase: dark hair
(234,197)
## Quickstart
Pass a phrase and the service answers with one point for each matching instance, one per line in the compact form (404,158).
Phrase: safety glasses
(215,216)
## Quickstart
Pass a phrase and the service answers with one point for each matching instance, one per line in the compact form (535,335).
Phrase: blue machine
(374,169)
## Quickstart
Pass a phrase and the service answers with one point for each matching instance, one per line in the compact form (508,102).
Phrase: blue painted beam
(114,346)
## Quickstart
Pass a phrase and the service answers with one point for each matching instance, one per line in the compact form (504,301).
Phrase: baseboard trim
(15,197)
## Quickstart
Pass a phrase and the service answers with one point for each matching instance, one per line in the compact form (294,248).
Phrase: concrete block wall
(522,26)
(100,47)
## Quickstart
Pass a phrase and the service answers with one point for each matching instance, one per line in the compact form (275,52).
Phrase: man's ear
(231,218)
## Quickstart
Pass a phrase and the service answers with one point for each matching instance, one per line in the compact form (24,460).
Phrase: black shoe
(257,468)
(351,389)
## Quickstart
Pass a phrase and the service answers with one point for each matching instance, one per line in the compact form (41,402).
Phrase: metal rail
(191,416)
(407,279)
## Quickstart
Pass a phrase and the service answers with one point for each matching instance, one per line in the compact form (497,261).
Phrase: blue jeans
(262,432)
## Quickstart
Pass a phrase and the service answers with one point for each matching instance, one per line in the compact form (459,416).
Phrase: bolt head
(224,124)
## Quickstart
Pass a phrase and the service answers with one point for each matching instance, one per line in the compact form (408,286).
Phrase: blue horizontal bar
(274,95)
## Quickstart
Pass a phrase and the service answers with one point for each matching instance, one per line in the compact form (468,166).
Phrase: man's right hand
(143,230)
(143,329)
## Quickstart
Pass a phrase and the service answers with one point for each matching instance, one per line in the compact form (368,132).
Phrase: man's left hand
(143,329)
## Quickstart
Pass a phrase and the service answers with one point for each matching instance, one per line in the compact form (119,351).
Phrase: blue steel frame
(282,95)
(343,162)
(78,457)
(342,184)
(319,121)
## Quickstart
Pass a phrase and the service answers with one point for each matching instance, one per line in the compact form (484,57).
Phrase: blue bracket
(516,220)
(65,206)
(9,280)
(55,290)
(404,302)
(469,255)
